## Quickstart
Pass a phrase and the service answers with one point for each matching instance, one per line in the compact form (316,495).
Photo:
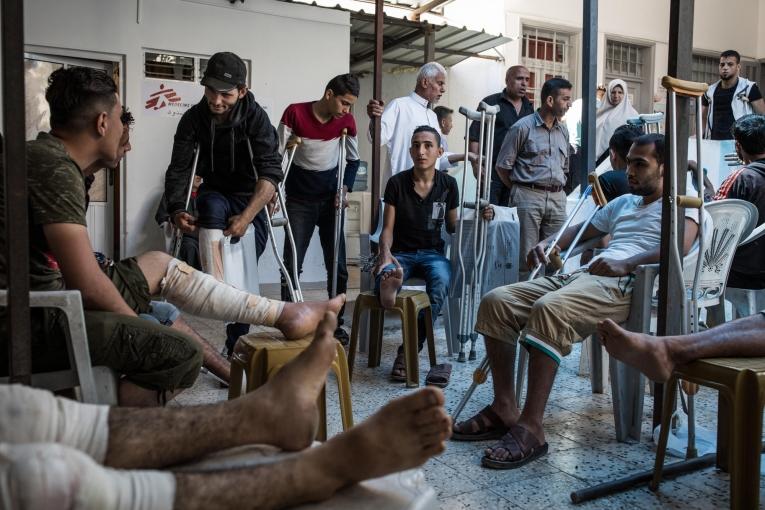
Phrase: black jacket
(224,160)
(748,269)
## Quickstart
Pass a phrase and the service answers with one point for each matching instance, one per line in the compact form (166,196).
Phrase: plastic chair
(96,385)
(747,301)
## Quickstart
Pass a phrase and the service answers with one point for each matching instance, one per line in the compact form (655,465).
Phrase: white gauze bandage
(36,416)
(43,476)
(209,252)
(200,294)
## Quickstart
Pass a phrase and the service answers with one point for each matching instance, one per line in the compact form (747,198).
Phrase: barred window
(546,54)
(166,66)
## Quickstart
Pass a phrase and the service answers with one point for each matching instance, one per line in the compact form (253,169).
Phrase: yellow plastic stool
(408,305)
(261,354)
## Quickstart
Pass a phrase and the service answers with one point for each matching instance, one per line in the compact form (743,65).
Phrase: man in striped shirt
(311,184)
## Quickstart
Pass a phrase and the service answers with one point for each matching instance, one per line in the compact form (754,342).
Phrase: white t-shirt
(634,228)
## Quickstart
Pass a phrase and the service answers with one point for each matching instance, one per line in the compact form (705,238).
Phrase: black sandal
(488,425)
(398,373)
(522,445)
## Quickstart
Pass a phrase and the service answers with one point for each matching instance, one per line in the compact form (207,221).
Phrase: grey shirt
(534,154)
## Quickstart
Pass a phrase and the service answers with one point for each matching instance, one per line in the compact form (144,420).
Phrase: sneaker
(342,336)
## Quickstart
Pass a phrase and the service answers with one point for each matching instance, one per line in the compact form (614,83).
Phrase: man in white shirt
(402,115)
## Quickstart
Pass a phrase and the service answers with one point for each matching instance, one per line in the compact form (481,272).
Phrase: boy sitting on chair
(418,202)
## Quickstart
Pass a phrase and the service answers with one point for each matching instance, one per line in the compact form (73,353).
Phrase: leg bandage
(200,294)
(42,476)
(36,416)
(209,252)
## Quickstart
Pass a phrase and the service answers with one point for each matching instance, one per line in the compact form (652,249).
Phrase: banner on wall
(169,98)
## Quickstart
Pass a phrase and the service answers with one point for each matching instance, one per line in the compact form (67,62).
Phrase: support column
(589,78)
(377,94)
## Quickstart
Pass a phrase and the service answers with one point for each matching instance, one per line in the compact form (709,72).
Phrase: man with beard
(239,161)
(548,314)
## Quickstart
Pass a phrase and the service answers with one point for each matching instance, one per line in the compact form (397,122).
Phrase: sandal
(483,426)
(522,445)
(398,374)
(439,375)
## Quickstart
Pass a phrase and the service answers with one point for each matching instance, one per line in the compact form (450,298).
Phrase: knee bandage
(200,294)
(209,252)
(42,476)
(36,416)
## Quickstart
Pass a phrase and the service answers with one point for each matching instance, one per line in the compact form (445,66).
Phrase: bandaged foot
(209,252)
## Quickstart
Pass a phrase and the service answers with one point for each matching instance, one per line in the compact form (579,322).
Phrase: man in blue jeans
(418,202)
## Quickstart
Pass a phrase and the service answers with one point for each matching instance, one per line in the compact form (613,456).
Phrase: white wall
(272,35)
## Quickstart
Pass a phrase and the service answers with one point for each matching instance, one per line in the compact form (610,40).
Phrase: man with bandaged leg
(59,454)
(155,360)
(239,161)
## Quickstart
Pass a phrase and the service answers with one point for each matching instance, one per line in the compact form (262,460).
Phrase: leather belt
(542,187)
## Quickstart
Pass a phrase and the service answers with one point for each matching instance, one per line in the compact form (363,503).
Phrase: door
(101,214)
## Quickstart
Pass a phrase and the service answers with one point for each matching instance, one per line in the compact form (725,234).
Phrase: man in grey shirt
(533,163)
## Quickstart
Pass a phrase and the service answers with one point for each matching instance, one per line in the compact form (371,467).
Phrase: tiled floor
(579,427)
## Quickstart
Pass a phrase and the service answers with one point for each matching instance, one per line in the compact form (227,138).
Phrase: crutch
(470,290)
(292,281)
(690,316)
(177,232)
(339,211)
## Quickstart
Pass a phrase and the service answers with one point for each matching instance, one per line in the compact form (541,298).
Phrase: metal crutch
(339,211)
(177,232)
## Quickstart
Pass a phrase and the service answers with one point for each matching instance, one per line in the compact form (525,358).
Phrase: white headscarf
(610,117)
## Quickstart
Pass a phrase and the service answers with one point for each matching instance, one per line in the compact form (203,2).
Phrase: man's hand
(610,267)
(186,222)
(537,255)
(504,176)
(345,198)
(383,261)
(375,108)
(488,213)
(273,205)
(237,226)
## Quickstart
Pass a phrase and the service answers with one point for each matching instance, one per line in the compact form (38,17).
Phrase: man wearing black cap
(239,163)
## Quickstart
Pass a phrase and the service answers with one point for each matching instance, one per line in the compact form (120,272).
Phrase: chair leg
(747,443)
(724,419)
(235,379)
(321,432)
(670,392)
(411,351)
(343,387)
(357,310)
(376,322)
(596,363)
(429,336)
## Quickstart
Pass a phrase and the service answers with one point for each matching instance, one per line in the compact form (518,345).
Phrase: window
(168,66)
(624,59)
(705,69)
(546,54)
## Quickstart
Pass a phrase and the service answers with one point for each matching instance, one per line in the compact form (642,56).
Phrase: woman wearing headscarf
(612,113)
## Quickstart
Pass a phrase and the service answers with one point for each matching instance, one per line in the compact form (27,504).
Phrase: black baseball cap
(224,72)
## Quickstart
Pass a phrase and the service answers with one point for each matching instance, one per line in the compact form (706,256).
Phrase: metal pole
(589,77)
(16,249)
(377,94)
(672,295)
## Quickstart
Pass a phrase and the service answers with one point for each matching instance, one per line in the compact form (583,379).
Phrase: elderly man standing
(533,163)
(513,105)
(402,115)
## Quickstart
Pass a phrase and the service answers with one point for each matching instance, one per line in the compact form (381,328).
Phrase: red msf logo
(162,98)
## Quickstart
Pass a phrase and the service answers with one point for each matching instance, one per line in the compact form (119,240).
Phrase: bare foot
(288,400)
(649,354)
(300,319)
(402,435)
(391,281)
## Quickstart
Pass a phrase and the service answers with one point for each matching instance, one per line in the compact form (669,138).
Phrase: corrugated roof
(404,40)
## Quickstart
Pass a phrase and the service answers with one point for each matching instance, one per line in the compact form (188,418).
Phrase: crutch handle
(689,388)
(556,261)
(489,109)
(470,114)
(481,203)
(345,131)
(279,222)
(684,87)
(293,141)
(597,191)
(480,375)
(689,201)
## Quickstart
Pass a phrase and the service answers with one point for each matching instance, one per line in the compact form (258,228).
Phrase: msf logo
(162,98)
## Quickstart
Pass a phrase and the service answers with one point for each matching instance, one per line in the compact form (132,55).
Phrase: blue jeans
(214,210)
(435,269)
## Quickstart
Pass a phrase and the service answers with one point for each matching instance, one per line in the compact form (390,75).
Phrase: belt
(542,187)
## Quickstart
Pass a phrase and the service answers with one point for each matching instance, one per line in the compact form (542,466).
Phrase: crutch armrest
(684,87)
(689,201)
(597,191)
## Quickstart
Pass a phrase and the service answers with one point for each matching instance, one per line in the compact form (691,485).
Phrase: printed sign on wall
(170,98)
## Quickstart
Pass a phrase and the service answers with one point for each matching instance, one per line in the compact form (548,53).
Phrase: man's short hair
(77,94)
(731,53)
(622,139)
(749,132)
(442,112)
(127,117)
(552,86)
(655,139)
(430,71)
(428,129)
(343,84)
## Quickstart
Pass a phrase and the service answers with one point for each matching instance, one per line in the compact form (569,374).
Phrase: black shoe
(342,336)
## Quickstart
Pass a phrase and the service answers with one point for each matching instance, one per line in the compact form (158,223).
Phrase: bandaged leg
(209,252)
(36,416)
(200,294)
(42,476)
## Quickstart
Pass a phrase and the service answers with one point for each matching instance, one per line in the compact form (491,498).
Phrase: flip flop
(398,373)
(523,447)
(439,375)
(489,426)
